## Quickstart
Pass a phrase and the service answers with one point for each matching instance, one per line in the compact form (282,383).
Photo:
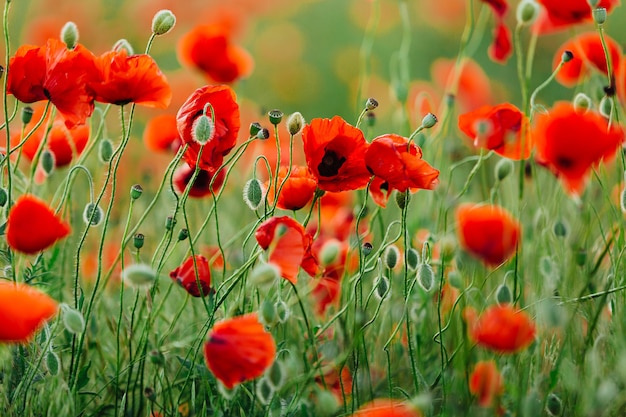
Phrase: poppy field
(316,208)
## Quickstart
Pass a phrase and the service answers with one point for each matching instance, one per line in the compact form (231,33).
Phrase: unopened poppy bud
(156,357)
(503,294)
(382,287)
(105,150)
(546,267)
(52,362)
(503,168)
(183,234)
(326,403)
(527,12)
(295,123)
(367,248)
(275,116)
(599,15)
(203,129)
(138,240)
(264,391)
(267,314)
(253,193)
(622,200)
(580,257)
(402,199)
(170,222)
(391,256)
(264,274)
(371,104)
(582,102)
(329,254)
(429,121)
(412,259)
(27,114)
(255,128)
(554,405)
(282,310)
(47,161)
(92,215)
(4,197)
(69,35)
(73,320)
(567,56)
(123,44)
(135,191)
(593,3)
(276,375)
(606,106)
(448,246)
(370,118)
(455,279)
(163,21)
(139,275)
(560,229)
(263,134)
(425,277)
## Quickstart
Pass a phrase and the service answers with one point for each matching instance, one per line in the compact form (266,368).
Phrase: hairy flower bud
(163,21)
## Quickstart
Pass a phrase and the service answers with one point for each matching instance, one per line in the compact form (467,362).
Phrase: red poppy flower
(474,85)
(239,350)
(161,134)
(325,293)
(387,408)
(486,383)
(223,101)
(32,226)
(502,47)
(290,246)
(570,143)
(127,79)
(64,143)
(588,54)
(400,165)
(488,232)
(503,329)
(380,191)
(23,309)
(202,185)
(209,48)
(297,190)
(185,275)
(54,73)
(503,125)
(339,384)
(335,154)
(559,14)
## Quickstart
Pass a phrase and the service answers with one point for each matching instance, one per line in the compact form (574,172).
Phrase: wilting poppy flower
(297,190)
(185,275)
(290,246)
(383,407)
(239,349)
(400,165)
(127,79)
(23,309)
(209,48)
(503,127)
(486,383)
(503,329)
(335,154)
(588,54)
(161,134)
(223,101)
(54,73)
(570,143)
(202,185)
(559,14)
(488,232)
(502,47)
(64,143)
(32,226)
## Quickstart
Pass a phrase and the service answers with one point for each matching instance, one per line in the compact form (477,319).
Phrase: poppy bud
(264,391)
(371,104)
(170,222)
(599,15)
(193,271)
(582,102)
(622,200)
(203,129)
(69,35)
(52,362)
(27,114)
(283,311)
(253,193)
(425,277)
(275,375)
(73,320)
(275,116)
(263,134)
(527,12)
(295,123)
(163,21)
(255,128)
(47,161)
(136,191)
(138,240)
(326,404)
(503,168)
(267,314)
(4,197)
(390,258)
(606,107)
(92,215)
(264,274)
(156,357)
(503,295)
(123,44)
(412,259)
(560,229)
(382,287)
(105,151)
(580,257)
(554,405)
(370,118)
(567,56)
(402,199)
(367,248)
(183,234)
(329,254)
(455,279)
(138,275)
(429,121)
(546,267)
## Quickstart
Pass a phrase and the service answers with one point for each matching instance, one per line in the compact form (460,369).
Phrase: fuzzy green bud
(264,391)
(503,294)
(47,161)
(264,274)
(295,123)
(138,240)
(253,193)
(105,150)
(455,279)
(527,12)
(554,405)
(203,129)
(371,104)
(69,35)
(4,197)
(430,120)
(282,310)
(580,257)
(606,106)
(276,375)
(412,259)
(136,191)
(92,215)
(123,44)
(52,363)
(27,114)
(582,102)
(326,404)
(330,251)
(599,15)
(275,116)
(391,256)
(73,320)
(503,168)
(139,275)
(560,229)
(382,287)
(425,277)
(163,21)
(267,314)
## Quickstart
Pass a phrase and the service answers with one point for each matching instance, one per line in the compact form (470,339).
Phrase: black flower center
(331,162)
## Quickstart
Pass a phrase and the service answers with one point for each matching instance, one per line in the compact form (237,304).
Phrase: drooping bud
(135,191)
(382,287)
(606,106)
(105,150)
(295,123)
(163,21)
(123,44)
(425,277)
(275,116)
(503,295)
(47,161)
(203,129)
(412,259)
(264,274)
(73,320)
(267,314)
(503,168)
(599,15)
(282,310)
(27,114)
(391,256)
(582,102)
(371,104)
(527,12)
(367,248)
(429,121)
(69,35)
(92,215)
(139,275)
(253,193)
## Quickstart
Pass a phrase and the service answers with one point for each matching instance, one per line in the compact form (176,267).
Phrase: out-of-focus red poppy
(588,55)
(339,383)
(384,407)
(23,309)
(501,48)
(127,79)
(325,293)
(209,48)
(297,190)
(570,143)
(290,246)
(64,143)
(54,73)
(486,383)
(224,102)
(201,187)
(32,226)
(380,191)
(336,216)
(559,14)
(488,232)
(185,275)
(239,349)
(400,165)
(161,134)
(506,130)
(335,154)
(504,329)
(473,84)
